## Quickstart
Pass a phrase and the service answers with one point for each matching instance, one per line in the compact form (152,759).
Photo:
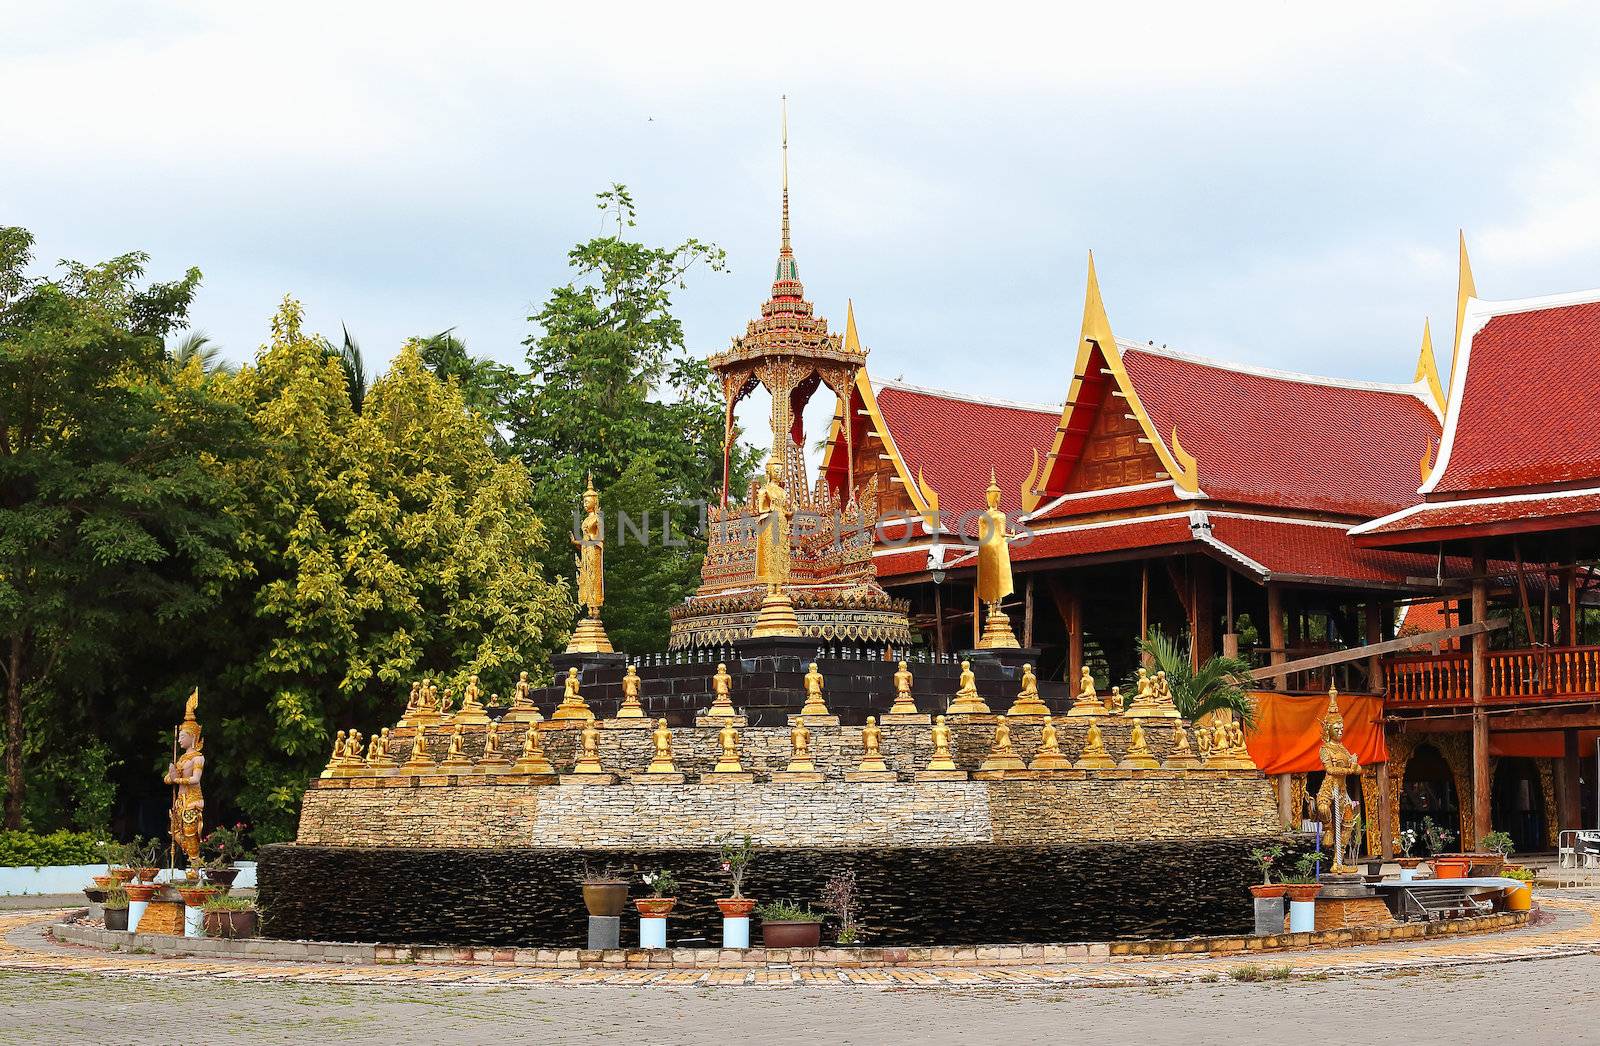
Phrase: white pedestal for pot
(1407,874)
(652,932)
(194,922)
(135,913)
(736,932)
(1302,916)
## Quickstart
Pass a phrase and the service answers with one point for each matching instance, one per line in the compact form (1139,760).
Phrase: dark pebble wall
(964,895)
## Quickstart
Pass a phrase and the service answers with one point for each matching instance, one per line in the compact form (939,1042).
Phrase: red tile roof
(1510,514)
(1144,496)
(954,440)
(1524,415)
(1288,441)
(1288,549)
(1099,538)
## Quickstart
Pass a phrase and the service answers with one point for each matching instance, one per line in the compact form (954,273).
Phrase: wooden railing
(1514,675)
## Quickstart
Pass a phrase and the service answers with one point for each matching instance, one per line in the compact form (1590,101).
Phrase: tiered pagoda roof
(1520,453)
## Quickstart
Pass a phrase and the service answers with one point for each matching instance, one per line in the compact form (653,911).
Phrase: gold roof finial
(1465,289)
(1428,368)
(852,341)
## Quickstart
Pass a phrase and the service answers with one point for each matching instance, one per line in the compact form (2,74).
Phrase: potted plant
(663,887)
(145,856)
(1493,849)
(119,863)
(1268,894)
(116,909)
(1302,887)
(222,849)
(1519,898)
(605,893)
(1408,864)
(138,895)
(1445,865)
(736,853)
(231,917)
(785,924)
(839,899)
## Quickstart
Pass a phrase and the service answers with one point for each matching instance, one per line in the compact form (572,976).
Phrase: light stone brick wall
(1109,806)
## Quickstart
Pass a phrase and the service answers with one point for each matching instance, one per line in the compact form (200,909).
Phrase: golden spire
(852,342)
(1465,289)
(589,490)
(1428,368)
(994,486)
(785,246)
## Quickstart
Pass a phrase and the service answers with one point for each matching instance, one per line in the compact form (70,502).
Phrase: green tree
(614,393)
(109,491)
(197,345)
(375,547)
(486,386)
(1221,684)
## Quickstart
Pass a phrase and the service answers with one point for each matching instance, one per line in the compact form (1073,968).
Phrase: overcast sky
(1277,183)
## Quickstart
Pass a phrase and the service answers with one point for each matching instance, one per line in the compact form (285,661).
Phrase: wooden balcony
(1515,676)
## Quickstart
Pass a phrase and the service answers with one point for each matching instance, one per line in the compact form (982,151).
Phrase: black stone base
(962,895)
(563,661)
(1012,657)
(792,651)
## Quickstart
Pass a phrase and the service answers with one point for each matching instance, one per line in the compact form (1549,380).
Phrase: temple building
(1511,713)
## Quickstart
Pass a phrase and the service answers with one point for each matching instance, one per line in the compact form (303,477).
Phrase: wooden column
(938,619)
(1375,635)
(1275,636)
(1202,629)
(1230,638)
(1074,640)
(1385,825)
(1480,693)
(1286,816)
(1027,611)
(1570,812)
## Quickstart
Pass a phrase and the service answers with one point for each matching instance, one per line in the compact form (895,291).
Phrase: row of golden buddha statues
(1219,746)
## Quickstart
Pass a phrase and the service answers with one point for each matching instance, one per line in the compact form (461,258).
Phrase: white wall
(72,878)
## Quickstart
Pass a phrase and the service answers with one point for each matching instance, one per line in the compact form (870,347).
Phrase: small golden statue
(800,761)
(1202,744)
(942,759)
(1138,756)
(494,760)
(472,711)
(1335,810)
(407,716)
(903,704)
(1095,756)
(1002,757)
(814,706)
(532,761)
(871,748)
(522,709)
(661,737)
(590,635)
(1144,704)
(630,707)
(722,686)
(1182,757)
(1114,701)
(419,762)
(336,760)
(425,709)
(455,757)
(1049,756)
(728,762)
(1028,701)
(573,707)
(1088,701)
(775,514)
(187,820)
(588,761)
(352,765)
(377,749)
(967,701)
(994,573)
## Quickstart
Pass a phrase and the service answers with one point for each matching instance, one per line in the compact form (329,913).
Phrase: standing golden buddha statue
(590,635)
(994,573)
(187,822)
(775,515)
(1334,807)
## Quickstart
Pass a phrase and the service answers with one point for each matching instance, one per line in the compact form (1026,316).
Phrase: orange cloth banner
(1287,737)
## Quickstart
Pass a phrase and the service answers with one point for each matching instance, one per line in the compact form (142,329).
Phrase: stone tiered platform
(467,857)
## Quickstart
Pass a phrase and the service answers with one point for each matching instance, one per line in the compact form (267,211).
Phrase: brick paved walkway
(1572,928)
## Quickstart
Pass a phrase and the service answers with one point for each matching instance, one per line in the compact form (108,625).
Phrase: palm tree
(197,345)
(355,368)
(1221,684)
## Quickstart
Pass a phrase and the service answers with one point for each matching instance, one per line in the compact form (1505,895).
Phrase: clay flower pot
(104,881)
(222,877)
(139,891)
(1269,889)
(605,900)
(736,907)
(148,875)
(654,907)
(195,896)
(1300,893)
(1451,867)
(233,925)
(791,934)
(123,875)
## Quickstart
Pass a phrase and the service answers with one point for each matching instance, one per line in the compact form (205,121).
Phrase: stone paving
(1569,927)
